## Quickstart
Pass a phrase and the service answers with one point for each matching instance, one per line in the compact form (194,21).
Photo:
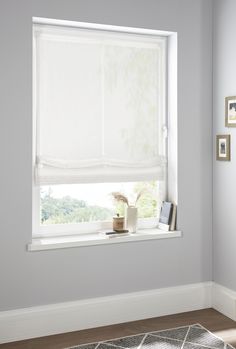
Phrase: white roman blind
(99,104)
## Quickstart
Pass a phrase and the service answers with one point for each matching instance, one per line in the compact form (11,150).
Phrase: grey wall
(224,189)
(35,278)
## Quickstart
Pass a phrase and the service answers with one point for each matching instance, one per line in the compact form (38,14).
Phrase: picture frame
(230,111)
(223,148)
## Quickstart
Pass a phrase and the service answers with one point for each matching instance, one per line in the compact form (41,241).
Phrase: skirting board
(73,316)
(224,300)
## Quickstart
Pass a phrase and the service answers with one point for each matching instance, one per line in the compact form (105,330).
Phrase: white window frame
(91,227)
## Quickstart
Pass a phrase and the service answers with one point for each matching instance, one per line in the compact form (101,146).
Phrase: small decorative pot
(118,223)
(131,219)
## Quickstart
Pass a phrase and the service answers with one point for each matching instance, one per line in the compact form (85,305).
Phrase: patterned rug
(185,337)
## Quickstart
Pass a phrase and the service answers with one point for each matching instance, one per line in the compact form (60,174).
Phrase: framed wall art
(223,147)
(230,111)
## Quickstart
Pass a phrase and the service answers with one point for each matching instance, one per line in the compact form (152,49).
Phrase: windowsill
(52,243)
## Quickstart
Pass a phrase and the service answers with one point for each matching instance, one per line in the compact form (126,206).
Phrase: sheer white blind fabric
(99,105)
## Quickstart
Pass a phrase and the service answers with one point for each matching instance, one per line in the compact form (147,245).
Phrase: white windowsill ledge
(53,243)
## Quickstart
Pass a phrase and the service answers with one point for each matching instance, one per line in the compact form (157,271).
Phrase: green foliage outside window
(71,210)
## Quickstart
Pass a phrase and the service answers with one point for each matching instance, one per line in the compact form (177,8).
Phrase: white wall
(224,188)
(64,275)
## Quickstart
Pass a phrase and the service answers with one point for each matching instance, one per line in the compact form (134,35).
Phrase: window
(100,121)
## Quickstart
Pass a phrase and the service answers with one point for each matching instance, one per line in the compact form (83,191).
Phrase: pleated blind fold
(99,105)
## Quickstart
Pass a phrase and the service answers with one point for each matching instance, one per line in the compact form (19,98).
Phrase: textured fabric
(99,104)
(179,333)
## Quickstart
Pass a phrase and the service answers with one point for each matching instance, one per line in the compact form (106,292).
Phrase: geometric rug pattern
(185,337)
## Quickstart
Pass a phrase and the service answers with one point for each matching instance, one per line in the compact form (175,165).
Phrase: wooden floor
(209,318)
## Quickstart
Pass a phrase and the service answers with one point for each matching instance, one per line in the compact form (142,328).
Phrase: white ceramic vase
(131,218)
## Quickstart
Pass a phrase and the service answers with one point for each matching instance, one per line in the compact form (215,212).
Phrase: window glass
(76,203)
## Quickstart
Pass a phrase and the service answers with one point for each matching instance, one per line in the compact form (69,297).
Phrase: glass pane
(69,79)
(131,103)
(75,203)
